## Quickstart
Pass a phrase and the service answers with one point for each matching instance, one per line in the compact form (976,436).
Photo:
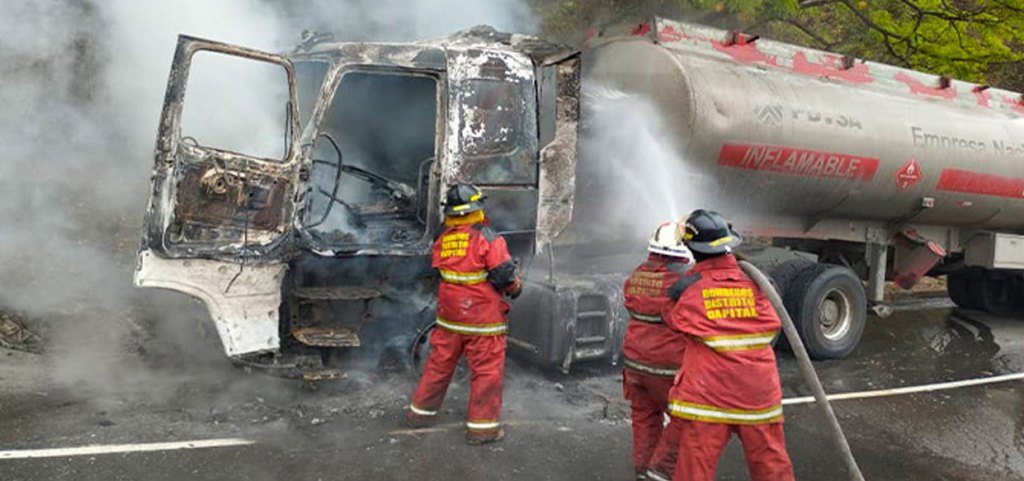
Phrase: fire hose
(806,368)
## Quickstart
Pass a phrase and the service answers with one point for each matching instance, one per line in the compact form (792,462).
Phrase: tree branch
(814,3)
(825,44)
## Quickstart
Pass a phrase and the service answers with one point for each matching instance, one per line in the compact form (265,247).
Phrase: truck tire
(958,286)
(996,292)
(829,308)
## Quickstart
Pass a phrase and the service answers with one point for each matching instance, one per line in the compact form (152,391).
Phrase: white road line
(942,386)
(122,448)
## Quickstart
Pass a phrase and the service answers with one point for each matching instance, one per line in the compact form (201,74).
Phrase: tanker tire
(829,308)
(782,277)
(958,286)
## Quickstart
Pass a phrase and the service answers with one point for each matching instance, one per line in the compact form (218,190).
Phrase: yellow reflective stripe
(718,242)
(473,329)
(475,197)
(461,207)
(652,318)
(421,412)
(649,369)
(468,278)
(711,414)
(741,342)
(482,425)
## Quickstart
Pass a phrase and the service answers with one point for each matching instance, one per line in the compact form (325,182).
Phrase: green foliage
(976,40)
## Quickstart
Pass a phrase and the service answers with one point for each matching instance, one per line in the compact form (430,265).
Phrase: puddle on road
(920,347)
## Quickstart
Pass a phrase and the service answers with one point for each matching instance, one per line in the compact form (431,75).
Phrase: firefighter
(476,272)
(728,381)
(652,351)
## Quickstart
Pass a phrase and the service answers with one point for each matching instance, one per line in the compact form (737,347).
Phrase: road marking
(122,448)
(942,386)
(438,428)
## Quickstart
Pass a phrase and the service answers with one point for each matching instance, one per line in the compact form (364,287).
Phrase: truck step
(326,336)
(336,293)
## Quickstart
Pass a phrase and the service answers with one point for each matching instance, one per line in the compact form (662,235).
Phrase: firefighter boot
(476,439)
(414,420)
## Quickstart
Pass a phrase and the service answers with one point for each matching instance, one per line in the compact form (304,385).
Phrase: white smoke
(81,89)
(634,158)
(403,20)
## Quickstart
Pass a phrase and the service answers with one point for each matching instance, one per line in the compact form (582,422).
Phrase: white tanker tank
(887,172)
(806,134)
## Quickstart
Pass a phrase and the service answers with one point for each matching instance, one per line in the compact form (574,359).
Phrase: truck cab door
(225,185)
(493,123)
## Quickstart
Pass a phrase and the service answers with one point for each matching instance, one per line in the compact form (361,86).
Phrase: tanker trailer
(876,172)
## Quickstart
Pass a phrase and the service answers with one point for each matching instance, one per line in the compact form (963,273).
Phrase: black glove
(514,289)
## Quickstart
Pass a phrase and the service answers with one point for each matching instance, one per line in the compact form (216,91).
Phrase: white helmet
(667,240)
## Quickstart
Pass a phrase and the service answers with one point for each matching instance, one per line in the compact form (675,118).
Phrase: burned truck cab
(324,246)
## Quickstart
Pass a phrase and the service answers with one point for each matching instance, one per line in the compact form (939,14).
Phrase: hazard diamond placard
(908,175)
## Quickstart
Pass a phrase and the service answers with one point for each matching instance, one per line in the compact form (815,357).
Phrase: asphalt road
(559,427)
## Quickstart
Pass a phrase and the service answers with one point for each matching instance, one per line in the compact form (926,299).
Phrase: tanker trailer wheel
(959,287)
(420,351)
(829,308)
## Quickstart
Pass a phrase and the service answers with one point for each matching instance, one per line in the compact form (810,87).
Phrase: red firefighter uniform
(652,353)
(728,382)
(474,264)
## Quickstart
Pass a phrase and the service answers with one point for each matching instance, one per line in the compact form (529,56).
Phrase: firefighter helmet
(667,240)
(708,233)
(463,199)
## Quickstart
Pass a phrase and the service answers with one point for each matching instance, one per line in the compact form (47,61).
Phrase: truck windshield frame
(381,120)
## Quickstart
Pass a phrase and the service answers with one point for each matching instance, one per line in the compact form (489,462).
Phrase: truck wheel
(996,292)
(829,308)
(958,285)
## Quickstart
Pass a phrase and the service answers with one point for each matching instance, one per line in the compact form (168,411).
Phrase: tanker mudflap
(914,257)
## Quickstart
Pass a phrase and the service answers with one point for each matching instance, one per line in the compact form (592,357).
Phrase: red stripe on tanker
(791,160)
(954,180)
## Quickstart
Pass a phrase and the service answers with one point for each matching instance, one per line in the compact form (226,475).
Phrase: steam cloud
(635,164)
(81,87)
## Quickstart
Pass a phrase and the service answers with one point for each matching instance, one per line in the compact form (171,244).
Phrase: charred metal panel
(493,123)
(577,319)
(493,137)
(210,203)
(217,222)
(243,300)
(216,205)
(390,60)
(558,158)
(380,299)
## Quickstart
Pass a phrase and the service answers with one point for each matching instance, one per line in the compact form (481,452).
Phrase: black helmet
(463,199)
(708,233)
